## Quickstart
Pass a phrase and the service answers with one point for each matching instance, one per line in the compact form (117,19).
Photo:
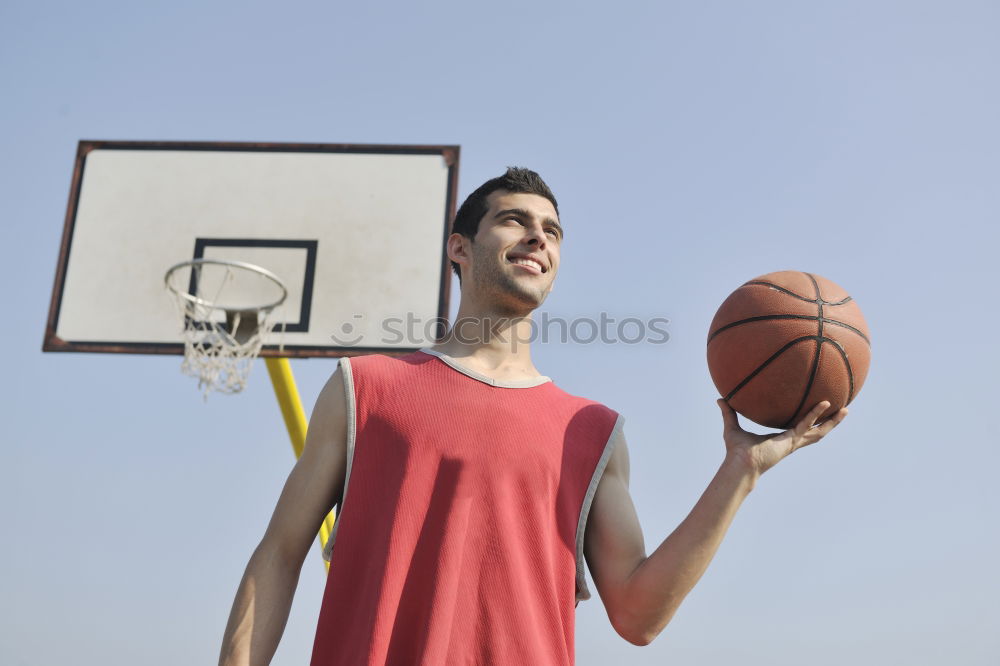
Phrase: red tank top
(460,536)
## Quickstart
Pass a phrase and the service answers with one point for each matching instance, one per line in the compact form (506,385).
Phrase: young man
(471,488)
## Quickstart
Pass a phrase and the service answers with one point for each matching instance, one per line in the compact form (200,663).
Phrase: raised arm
(264,598)
(640,593)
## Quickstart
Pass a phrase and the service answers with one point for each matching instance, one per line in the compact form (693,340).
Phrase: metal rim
(222,262)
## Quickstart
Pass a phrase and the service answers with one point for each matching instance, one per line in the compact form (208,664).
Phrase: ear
(458,249)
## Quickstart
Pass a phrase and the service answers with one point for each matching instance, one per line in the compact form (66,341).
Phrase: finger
(822,429)
(810,418)
(813,435)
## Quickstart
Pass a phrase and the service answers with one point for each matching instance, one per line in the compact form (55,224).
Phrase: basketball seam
(850,370)
(788,316)
(766,363)
(763,283)
(819,347)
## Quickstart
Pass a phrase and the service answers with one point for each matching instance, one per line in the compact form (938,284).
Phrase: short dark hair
(517,179)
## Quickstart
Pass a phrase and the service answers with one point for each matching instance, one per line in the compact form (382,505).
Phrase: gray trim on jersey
(582,591)
(345,367)
(524,383)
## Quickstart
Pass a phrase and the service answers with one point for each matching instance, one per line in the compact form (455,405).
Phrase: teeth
(527,262)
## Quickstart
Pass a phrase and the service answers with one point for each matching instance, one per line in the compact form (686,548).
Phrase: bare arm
(264,598)
(640,593)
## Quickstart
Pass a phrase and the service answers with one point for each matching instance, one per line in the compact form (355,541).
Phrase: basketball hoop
(224,320)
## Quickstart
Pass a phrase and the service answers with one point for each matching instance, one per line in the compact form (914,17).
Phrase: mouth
(529,263)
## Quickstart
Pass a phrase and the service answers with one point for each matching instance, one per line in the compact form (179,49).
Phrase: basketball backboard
(355,232)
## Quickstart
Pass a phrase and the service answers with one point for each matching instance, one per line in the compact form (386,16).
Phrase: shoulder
(382,364)
(377,377)
(586,418)
(581,404)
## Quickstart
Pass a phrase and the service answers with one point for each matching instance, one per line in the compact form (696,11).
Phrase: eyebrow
(521,212)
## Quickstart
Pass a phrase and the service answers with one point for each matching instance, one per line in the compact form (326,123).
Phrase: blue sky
(692,146)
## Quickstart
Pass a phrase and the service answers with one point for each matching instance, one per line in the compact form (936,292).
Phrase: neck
(491,341)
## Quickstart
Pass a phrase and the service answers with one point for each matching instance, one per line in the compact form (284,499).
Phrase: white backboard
(356,233)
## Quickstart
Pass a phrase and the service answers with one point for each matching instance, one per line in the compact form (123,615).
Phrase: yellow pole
(295,420)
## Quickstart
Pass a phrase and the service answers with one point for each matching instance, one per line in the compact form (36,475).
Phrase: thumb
(728,415)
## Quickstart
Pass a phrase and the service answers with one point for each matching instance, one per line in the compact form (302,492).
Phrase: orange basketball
(785,341)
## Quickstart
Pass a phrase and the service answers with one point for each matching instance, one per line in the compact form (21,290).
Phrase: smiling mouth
(527,263)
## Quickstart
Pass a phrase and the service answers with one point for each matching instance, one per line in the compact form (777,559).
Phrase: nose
(535,236)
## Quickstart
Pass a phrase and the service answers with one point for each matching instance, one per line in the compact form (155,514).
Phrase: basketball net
(222,341)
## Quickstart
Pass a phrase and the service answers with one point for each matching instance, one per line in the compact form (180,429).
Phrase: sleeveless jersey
(460,533)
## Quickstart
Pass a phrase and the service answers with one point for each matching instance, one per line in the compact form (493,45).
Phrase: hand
(762,452)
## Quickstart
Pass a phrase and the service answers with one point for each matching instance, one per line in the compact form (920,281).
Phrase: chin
(532,301)
(519,303)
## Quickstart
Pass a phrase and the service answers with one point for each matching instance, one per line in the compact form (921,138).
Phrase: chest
(494,430)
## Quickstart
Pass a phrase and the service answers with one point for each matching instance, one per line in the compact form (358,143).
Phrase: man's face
(515,255)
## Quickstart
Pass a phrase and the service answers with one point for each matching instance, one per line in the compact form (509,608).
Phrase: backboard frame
(53,343)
